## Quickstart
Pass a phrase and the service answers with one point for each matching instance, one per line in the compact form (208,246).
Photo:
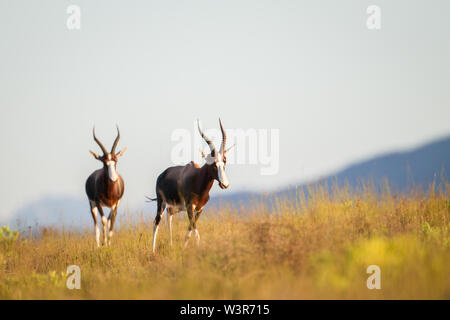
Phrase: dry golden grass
(316,251)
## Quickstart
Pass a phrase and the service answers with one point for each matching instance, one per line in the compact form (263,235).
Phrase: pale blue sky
(337,91)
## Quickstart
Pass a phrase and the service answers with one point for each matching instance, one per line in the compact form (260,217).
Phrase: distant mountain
(403,169)
(57,211)
(420,166)
(62,211)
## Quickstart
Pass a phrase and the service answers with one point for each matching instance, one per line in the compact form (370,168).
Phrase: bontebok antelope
(186,188)
(105,187)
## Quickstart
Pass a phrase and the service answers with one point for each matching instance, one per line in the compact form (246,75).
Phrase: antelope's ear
(226,150)
(96,156)
(202,153)
(121,152)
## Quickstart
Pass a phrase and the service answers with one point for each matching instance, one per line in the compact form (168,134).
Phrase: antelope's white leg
(169,223)
(111,219)
(187,237)
(110,232)
(197,236)
(105,222)
(108,226)
(94,212)
(110,236)
(155,232)
(97,235)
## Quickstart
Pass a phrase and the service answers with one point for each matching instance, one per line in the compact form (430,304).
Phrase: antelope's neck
(206,178)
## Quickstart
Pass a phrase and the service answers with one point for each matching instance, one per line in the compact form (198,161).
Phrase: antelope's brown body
(186,188)
(105,188)
(100,189)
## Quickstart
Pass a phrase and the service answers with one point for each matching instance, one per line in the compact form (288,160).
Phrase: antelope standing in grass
(105,187)
(186,188)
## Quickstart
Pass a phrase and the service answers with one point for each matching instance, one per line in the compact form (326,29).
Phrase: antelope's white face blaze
(220,164)
(223,179)
(112,173)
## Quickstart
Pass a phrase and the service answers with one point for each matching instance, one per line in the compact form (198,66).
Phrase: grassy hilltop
(298,251)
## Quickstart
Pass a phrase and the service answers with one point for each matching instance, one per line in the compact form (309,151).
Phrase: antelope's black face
(109,159)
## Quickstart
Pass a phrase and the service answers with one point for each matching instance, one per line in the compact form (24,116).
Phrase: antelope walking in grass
(105,187)
(186,188)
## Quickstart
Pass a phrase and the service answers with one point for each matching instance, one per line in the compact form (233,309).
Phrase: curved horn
(208,141)
(113,149)
(224,138)
(99,143)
